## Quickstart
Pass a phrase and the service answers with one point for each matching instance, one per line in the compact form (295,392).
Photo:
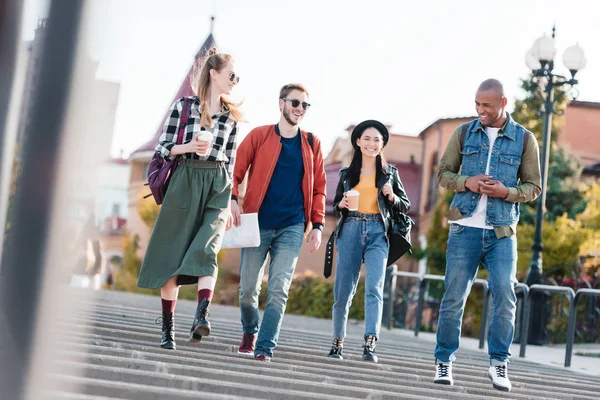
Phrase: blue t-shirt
(283,204)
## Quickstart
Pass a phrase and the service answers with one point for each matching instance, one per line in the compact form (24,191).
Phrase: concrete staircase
(109,350)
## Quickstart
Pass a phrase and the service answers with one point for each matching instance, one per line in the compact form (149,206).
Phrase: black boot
(336,349)
(201,326)
(167,340)
(369,349)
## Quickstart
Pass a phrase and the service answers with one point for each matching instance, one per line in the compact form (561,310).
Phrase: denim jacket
(505,165)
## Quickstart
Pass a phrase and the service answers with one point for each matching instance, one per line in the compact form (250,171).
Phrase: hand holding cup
(205,140)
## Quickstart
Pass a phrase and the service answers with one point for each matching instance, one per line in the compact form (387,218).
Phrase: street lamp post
(540,59)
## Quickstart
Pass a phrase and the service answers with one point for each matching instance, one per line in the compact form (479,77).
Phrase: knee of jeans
(343,300)
(452,306)
(278,299)
(503,292)
(374,292)
(248,297)
(505,304)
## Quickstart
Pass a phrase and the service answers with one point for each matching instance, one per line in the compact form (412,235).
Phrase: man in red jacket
(286,187)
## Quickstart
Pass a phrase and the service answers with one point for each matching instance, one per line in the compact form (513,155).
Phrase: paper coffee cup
(352,196)
(205,136)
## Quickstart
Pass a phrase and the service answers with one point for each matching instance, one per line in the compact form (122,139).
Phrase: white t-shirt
(477,220)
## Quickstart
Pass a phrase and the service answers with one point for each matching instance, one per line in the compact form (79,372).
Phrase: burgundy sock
(205,294)
(168,306)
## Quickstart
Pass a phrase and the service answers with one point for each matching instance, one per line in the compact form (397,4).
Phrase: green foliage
(125,278)
(590,218)
(313,297)
(148,210)
(562,240)
(563,195)
(528,111)
(590,221)
(437,237)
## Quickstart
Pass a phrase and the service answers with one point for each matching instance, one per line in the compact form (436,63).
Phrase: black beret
(370,123)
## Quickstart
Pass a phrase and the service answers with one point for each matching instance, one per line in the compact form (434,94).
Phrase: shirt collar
(506,130)
(278,132)
(224,108)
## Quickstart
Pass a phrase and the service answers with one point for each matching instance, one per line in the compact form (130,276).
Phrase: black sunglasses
(296,103)
(234,78)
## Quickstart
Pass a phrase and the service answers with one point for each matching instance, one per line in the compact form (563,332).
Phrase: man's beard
(286,115)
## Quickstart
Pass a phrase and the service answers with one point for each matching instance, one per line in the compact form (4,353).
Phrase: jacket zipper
(268,178)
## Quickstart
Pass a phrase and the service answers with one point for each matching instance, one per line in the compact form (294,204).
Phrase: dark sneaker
(336,349)
(248,344)
(369,349)
(200,326)
(167,340)
(499,376)
(443,374)
(263,357)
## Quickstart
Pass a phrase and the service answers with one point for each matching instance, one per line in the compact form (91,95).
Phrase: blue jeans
(467,248)
(362,238)
(283,245)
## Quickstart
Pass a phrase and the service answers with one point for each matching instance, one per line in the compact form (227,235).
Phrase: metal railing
(422,280)
(521,288)
(573,321)
(570,293)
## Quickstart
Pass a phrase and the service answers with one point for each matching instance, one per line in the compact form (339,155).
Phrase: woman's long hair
(200,82)
(353,174)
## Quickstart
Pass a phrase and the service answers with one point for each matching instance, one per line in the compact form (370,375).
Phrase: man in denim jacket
(492,165)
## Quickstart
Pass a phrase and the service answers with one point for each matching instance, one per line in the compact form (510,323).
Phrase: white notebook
(245,235)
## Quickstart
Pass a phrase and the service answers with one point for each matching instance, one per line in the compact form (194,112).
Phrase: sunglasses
(234,78)
(296,103)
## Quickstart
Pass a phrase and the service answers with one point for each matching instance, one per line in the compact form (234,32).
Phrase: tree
(590,220)
(562,239)
(148,210)
(125,278)
(437,237)
(563,194)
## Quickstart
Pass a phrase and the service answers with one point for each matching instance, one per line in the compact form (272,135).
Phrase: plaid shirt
(224,133)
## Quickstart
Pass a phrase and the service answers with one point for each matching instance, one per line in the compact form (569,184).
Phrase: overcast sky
(404,63)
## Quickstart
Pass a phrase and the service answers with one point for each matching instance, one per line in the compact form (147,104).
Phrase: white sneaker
(443,374)
(499,376)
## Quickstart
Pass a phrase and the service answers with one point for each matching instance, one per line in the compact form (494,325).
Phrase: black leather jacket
(400,203)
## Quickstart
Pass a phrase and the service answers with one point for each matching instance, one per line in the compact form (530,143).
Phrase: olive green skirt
(190,226)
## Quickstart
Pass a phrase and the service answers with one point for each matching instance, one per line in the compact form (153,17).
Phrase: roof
(593,169)
(584,104)
(185,89)
(442,120)
(118,161)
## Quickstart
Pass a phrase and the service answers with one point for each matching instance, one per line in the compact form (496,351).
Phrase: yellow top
(367,201)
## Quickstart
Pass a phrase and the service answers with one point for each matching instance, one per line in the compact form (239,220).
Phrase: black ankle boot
(369,349)
(167,340)
(336,349)
(201,326)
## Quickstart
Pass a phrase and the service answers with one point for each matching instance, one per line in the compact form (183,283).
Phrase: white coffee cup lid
(352,192)
(205,136)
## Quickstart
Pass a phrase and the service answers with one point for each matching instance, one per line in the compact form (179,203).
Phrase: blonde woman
(195,212)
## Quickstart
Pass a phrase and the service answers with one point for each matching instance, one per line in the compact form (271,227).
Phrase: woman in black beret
(362,231)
